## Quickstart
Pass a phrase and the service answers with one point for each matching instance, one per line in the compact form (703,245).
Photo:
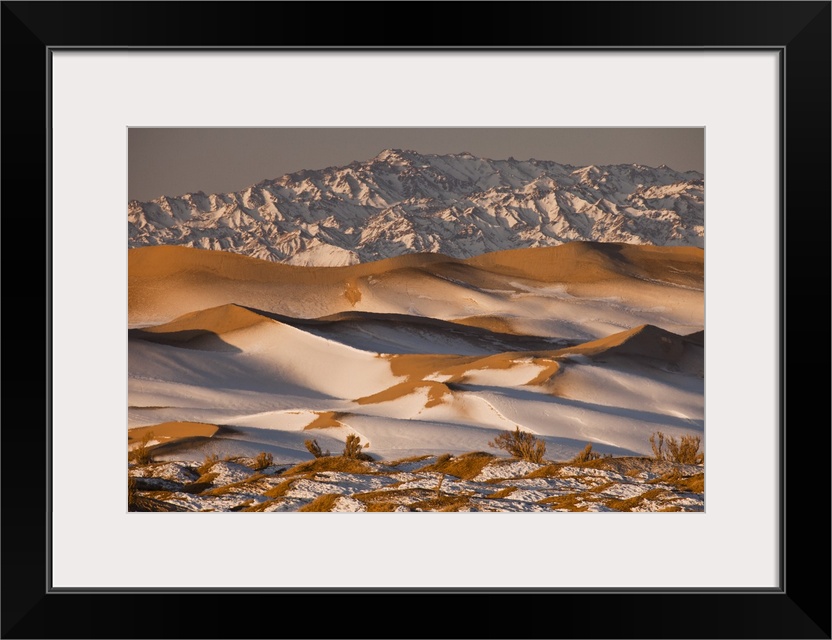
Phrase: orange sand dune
(222,319)
(165,260)
(576,261)
(646,340)
(583,262)
(167,281)
(169,431)
(205,328)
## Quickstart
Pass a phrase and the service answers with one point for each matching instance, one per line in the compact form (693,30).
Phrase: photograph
(416,319)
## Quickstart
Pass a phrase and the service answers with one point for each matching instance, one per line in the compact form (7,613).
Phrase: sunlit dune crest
(579,262)
(562,292)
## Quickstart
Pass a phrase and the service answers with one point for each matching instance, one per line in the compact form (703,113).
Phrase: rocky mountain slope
(405,202)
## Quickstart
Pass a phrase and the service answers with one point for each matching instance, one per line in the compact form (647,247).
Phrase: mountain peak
(403,202)
(387,155)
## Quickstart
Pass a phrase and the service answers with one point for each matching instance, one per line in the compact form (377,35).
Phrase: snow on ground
(515,469)
(517,486)
(269,357)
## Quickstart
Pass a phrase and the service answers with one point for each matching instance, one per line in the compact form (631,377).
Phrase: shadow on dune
(358,329)
(197,339)
(286,446)
(651,417)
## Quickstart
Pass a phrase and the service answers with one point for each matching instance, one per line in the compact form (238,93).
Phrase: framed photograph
(419,330)
(748,83)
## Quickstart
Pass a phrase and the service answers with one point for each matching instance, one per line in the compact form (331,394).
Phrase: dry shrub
(231,486)
(585,456)
(442,459)
(549,471)
(401,461)
(502,493)
(158,495)
(259,506)
(465,467)
(684,451)
(150,502)
(279,490)
(631,503)
(690,484)
(600,488)
(146,504)
(333,463)
(142,453)
(520,444)
(376,507)
(196,487)
(314,448)
(673,477)
(207,464)
(396,497)
(567,501)
(694,484)
(657,444)
(352,448)
(262,461)
(208,477)
(204,482)
(444,503)
(601,462)
(323,502)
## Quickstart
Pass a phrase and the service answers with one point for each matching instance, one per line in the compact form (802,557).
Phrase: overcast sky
(174,161)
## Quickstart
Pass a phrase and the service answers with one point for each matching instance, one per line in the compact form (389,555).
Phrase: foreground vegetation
(671,480)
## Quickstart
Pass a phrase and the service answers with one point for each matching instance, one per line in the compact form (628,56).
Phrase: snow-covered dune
(271,382)
(234,348)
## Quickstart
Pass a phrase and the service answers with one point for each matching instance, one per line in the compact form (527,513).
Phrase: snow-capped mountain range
(406,202)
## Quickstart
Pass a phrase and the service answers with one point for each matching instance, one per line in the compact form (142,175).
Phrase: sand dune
(417,354)
(262,356)
(591,262)
(216,320)
(172,431)
(645,340)
(576,291)
(374,332)
(615,401)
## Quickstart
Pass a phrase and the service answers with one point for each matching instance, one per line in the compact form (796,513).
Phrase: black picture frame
(799,608)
